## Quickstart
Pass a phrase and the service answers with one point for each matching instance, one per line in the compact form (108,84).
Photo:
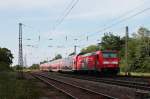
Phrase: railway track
(73,91)
(125,83)
(142,86)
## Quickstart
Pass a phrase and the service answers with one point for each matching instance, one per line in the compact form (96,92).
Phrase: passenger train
(99,61)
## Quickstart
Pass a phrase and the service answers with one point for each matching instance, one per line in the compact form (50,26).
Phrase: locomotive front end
(110,61)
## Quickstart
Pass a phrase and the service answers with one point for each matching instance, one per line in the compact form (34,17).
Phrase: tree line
(138,49)
(5,59)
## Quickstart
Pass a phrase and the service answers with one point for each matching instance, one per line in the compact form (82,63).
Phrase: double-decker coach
(99,61)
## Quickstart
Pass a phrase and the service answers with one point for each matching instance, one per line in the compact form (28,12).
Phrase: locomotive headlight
(114,62)
(106,62)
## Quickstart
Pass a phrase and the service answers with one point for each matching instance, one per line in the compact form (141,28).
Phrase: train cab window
(109,55)
(97,57)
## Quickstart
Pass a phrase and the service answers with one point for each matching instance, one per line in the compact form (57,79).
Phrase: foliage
(12,88)
(4,66)
(89,49)
(43,62)
(139,52)
(34,66)
(138,49)
(58,56)
(5,59)
(17,67)
(72,54)
(111,42)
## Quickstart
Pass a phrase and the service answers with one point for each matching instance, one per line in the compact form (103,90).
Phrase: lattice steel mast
(20,58)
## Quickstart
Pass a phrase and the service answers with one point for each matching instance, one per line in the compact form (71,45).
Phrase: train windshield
(109,55)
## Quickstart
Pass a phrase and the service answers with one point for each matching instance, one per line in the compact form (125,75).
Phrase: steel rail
(103,96)
(45,81)
(124,83)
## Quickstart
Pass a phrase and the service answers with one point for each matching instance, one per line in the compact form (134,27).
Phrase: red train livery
(99,61)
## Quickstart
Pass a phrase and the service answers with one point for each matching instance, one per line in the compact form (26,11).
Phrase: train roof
(62,59)
(96,52)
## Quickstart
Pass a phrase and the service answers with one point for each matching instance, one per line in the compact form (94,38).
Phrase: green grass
(140,74)
(12,88)
(137,74)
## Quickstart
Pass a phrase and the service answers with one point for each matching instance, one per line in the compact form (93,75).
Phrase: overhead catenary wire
(34,46)
(68,10)
(118,22)
(37,30)
(60,17)
(61,20)
(115,21)
(105,28)
(128,12)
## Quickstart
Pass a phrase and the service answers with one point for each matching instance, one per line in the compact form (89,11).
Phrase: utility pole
(25,60)
(126,51)
(87,38)
(20,58)
(66,38)
(75,49)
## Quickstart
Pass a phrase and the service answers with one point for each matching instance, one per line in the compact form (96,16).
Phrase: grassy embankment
(137,74)
(12,88)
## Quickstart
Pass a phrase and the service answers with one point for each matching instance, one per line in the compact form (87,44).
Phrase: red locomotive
(99,61)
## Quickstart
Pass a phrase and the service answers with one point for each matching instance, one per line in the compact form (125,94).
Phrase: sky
(40,18)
